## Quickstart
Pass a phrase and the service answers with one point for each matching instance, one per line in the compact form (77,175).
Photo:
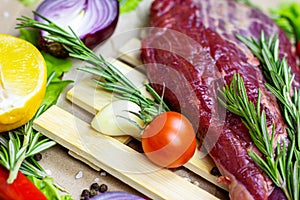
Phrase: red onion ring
(93,21)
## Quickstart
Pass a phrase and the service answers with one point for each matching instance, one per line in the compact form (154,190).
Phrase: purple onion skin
(99,20)
(92,40)
(116,196)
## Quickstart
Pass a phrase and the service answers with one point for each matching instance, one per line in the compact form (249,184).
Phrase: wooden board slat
(130,52)
(82,159)
(202,166)
(89,96)
(116,158)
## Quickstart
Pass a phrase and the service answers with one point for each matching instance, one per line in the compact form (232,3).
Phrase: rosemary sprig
(19,146)
(235,99)
(279,82)
(279,79)
(111,78)
(282,164)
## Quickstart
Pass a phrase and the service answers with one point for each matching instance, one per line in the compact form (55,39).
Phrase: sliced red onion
(116,196)
(92,20)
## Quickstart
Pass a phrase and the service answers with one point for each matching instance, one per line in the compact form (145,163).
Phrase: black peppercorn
(94,186)
(94,189)
(85,194)
(103,188)
(37,157)
(215,171)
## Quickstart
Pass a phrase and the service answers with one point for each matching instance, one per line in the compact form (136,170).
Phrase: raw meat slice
(194,51)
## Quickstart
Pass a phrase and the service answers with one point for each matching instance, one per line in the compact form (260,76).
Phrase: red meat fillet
(193,52)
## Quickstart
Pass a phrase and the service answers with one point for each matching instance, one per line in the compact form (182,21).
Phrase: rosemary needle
(282,165)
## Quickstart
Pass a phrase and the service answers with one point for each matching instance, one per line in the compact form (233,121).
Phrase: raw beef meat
(193,51)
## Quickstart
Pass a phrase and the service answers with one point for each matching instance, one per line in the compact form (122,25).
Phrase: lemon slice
(23,77)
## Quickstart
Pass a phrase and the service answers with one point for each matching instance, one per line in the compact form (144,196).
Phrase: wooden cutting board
(111,153)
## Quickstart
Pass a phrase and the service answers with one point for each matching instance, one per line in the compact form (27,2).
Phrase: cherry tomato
(21,189)
(169,140)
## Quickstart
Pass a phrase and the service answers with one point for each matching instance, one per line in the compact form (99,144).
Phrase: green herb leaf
(57,65)
(30,35)
(287,16)
(53,91)
(49,189)
(255,120)
(128,5)
(28,2)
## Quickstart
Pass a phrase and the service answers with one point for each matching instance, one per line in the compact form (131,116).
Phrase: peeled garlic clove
(116,120)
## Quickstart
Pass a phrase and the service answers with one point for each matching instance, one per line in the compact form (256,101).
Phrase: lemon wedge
(23,77)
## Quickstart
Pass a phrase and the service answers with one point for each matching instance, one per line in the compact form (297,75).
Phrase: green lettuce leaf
(128,5)
(28,2)
(287,16)
(47,187)
(54,89)
(30,35)
(57,65)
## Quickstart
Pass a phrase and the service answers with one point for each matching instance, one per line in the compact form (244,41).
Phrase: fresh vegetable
(28,2)
(116,196)
(115,81)
(31,36)
(111,78)
(281,165)
(169,140)
(117,119)
(93,21)
(47,187)
(128,5)
(21,189)
(20,99)
(287,16)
